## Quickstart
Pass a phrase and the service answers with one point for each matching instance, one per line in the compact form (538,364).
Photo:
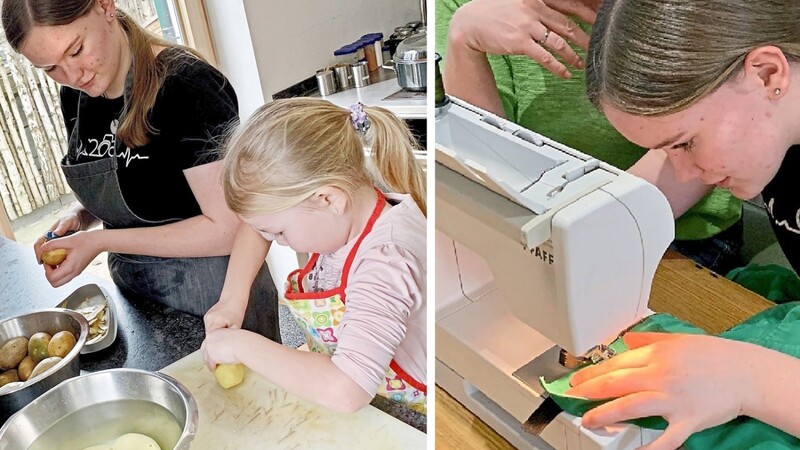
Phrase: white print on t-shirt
(784,223)
(100,149)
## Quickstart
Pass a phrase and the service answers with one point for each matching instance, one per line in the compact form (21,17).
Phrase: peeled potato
(54,257)
(135,441)
(43,365)
(99,447)
(61,343)
(229,375)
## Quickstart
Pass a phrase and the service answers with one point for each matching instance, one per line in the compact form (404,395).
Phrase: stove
(404,94)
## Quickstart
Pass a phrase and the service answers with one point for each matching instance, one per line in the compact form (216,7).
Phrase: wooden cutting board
(257,414)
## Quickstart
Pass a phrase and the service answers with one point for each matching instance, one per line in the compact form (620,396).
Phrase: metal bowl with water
(97,408)
(50,321)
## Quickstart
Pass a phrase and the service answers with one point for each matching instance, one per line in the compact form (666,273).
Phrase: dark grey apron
(192,285)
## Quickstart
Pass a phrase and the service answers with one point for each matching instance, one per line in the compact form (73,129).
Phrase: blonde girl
(296,174)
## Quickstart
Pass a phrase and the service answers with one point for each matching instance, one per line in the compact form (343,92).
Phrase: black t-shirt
(195,106)
(783,206)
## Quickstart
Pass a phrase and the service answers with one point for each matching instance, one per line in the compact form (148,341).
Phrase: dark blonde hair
(657,57)
(20,16)
(290,148)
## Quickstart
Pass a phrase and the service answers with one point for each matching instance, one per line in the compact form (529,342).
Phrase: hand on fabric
(693,381)
(81,247)
(536,28)
(219,346)
(70,222)
(226,313)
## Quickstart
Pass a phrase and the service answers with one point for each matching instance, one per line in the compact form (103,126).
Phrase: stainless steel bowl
(97,408)
(93,294)
(50,321)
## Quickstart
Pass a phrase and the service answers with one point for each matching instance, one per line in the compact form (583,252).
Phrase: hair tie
(359,118)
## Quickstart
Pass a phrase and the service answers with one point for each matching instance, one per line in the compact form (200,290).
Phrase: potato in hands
(57,256)
(54,257)
(229,375)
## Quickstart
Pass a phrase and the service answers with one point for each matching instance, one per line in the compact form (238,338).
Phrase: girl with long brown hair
(142,116)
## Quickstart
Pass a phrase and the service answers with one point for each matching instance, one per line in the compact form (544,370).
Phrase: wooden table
(681,288)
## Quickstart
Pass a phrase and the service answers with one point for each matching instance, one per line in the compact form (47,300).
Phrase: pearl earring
(777,91)
(112,15)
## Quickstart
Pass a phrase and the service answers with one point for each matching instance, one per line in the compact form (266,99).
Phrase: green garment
(771,281)
(777,328)
(536,99)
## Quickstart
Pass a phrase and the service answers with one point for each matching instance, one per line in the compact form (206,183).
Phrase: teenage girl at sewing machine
(719,102)
(520,80)
(296,174)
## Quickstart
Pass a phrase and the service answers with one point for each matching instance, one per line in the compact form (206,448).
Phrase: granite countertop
(150,336)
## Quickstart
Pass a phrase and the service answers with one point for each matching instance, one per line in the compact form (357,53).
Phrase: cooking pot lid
(412,49)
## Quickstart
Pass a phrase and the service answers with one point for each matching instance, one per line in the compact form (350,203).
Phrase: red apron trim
(370,223)
(301,295)
(403,375)
(297,296)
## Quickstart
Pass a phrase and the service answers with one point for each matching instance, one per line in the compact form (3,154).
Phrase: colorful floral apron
(320,313)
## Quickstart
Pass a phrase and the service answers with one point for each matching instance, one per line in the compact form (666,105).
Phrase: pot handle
(390,65)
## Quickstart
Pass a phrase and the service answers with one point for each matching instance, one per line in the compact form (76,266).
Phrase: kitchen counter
(681,288)
(149,336)
(384,83)
(256,411)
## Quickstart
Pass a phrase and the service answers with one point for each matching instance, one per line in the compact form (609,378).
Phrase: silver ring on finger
(543,40)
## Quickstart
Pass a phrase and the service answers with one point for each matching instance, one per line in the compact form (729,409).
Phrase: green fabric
(777,328)
(771,281)
(536,99)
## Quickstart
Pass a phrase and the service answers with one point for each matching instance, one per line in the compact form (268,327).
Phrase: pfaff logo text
(544,255)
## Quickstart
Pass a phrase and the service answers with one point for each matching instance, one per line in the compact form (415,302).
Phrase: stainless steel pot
(50,321)
(102,406)
(410,63)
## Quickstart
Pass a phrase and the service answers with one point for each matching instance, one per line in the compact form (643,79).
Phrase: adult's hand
(226,313)
(81,247)
(69,223)
(538,29)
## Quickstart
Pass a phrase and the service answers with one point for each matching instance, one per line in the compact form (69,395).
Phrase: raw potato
(12,352)
(229,375)
(100,447)
(54,257)
(61,343)
(25,368)
(37,346)
(9,376)
(43,366)
(135,441)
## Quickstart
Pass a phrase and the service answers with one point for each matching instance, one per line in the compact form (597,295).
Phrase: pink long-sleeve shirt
(385,314)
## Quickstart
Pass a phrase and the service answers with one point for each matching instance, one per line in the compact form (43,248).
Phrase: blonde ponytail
(392,149)
(290,148)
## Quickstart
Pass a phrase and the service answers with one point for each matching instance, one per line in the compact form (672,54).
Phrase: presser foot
(597,354)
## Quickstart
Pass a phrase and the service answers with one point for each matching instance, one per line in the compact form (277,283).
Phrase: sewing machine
(540,250)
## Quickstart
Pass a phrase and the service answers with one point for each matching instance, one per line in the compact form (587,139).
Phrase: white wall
(234,47)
